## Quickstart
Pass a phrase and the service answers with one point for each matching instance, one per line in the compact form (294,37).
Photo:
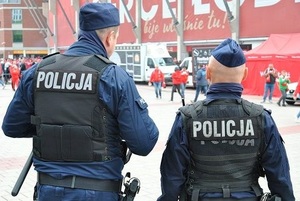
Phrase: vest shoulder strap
(192,110)
(97,62)
(49,59)
(252,109)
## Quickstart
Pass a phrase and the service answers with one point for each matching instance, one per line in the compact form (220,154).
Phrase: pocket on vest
(66,143)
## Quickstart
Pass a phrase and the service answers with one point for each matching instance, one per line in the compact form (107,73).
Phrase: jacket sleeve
(275,162)
(120,94)
(163,76)
(199,75)
(16,122)
(151,77)
(174,163)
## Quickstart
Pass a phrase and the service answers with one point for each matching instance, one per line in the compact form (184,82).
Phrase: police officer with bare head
(219,147)
(79,107)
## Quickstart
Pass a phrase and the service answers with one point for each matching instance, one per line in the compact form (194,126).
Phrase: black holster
(132,187)
(269,197)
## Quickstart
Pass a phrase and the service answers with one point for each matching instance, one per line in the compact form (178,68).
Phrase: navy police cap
(93,16)
(229,54)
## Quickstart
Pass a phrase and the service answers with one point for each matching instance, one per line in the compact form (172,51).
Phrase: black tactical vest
(69,116)
(225,139)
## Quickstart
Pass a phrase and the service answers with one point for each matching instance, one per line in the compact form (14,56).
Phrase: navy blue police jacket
(117,90)
(176,156)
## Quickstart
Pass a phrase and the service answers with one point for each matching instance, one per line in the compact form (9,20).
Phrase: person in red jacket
(158,79)
(15,76)
(297,93)
(184,79)
(176,81)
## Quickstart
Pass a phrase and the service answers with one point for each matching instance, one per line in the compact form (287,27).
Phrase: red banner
(202,20)
(207,19)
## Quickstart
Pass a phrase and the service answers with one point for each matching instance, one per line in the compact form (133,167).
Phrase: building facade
(33,27)
(184,24)
(23,29)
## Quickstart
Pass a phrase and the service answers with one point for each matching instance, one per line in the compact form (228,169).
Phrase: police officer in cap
(79,107)
(219,147)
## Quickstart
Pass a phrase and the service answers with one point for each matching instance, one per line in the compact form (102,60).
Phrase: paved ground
(14,152)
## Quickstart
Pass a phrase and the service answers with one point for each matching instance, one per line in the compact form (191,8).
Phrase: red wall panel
(203,20)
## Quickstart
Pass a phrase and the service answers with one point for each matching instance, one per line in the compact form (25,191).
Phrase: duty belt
(81,182)
(229,199)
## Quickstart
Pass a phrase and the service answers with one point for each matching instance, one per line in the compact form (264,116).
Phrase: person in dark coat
(219,147)
(201,82)
(79,107)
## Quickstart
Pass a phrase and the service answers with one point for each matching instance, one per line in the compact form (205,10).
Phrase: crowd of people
(11,70)
(273,76)
(281,78)
(179,81)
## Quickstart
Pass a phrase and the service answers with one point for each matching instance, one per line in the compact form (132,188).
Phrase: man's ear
(108,39)
(245,73)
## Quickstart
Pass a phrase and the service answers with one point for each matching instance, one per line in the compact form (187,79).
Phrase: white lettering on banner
(123,12)
(149,15)
(145,15)
(167,14)
(200,8)
(69,81)
(265,3)
(261,73)
(231,4)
